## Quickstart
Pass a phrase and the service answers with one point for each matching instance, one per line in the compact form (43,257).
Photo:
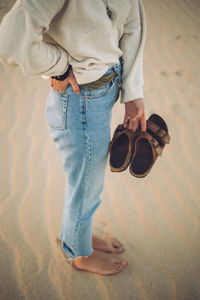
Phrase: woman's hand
(135,114)
(60,86)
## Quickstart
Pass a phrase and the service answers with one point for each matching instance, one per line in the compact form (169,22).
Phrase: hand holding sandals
(138,149)
(135,114)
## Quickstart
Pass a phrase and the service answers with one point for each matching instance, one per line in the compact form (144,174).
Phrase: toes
(122,263)
(117,263)
(117,267)
(114,270)
(117,246)
(118,250)
(116,243)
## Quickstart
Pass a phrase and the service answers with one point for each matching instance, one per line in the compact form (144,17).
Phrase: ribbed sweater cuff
(60,67)
(62,64)
(131,93)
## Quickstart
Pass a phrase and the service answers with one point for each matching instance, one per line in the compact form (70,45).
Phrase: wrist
(134,101)
(63,76)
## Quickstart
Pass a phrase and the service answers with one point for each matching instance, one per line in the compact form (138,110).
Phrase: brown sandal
(120,149)
(148,146)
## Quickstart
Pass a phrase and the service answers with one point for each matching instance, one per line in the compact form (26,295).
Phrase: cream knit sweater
(44,36)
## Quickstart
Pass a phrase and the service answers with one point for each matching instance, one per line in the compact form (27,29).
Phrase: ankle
(83,258)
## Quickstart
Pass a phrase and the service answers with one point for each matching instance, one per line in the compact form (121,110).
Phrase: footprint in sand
(178,73)
(163,73)
(179,36)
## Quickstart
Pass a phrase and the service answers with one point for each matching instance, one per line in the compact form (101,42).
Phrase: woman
(91,49)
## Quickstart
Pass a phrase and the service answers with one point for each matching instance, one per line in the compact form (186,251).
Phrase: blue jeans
(80,126)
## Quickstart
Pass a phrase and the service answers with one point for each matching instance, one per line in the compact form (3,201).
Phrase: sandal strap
(160,132)
(156,146)
(153,142)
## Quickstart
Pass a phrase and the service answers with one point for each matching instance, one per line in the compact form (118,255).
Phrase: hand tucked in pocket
(60,86)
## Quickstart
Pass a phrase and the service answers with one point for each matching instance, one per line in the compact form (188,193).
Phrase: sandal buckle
(156,146)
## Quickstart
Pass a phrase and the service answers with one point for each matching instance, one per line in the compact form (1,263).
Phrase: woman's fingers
(74,85)
(143,123)
(59,86)
(133,123)
(130,123)
(125,122)
(73,82)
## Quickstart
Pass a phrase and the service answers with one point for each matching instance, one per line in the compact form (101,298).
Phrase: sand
(157,218)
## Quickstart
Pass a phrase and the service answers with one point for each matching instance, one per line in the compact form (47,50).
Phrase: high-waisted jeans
(80,126)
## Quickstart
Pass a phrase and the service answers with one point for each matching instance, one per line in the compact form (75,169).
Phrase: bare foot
(98,264)
(107,245)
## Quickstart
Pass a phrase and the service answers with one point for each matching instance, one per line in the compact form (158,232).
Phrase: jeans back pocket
(56,110)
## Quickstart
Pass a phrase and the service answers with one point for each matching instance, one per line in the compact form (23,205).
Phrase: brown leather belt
(103,81)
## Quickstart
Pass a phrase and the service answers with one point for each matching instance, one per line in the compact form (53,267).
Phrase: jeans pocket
(56,110)
(100,92)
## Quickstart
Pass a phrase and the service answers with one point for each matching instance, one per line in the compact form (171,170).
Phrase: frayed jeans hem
(70,257)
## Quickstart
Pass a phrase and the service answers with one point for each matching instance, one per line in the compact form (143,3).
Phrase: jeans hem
(71,257)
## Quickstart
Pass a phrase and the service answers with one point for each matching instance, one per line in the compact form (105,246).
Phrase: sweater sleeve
(21,38)
(132,46)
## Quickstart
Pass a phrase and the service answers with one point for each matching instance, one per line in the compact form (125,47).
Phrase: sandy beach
(157,218)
